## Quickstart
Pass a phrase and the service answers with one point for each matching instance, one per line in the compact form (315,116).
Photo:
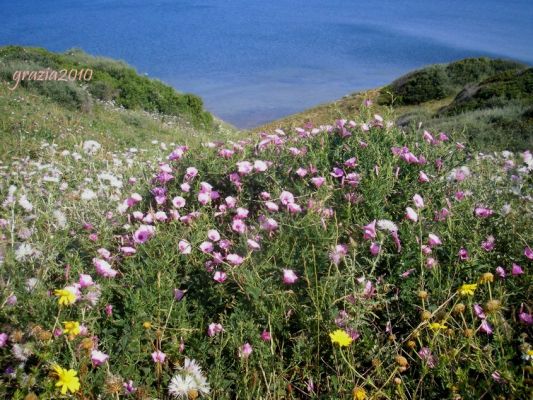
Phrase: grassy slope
(28,118)
(491,99)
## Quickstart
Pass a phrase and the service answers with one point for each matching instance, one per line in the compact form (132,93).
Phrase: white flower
(387,225)
(31,283)
(25,203)
(88,195)
(180,386)
(91,147)
(24,251)
(21,352)
(60,218)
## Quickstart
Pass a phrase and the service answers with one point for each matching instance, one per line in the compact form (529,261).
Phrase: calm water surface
(254,61)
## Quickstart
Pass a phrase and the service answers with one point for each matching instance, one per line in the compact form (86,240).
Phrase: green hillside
(483,101)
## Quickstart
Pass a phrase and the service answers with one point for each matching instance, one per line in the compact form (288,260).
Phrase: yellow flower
(66,297)
(435,326)
(359,393)
(67,380)
(341,338)
(71,328)
(486,278)
(467,289)
(147,325)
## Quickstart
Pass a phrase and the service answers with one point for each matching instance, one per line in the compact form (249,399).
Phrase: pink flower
(178,202)
(422,177)
(463,254)
(213,329)
(528,253)
(268,224)
(418,200)
(488,244)
(104,253)
(184,247)
(260,166)
(98,358)
(428,137)
(478,310)
(370,231)
(516,270)
(143,233)
(271,206)
(103,268)
(234,259)
(485,327)
(128,251)
(109,310)
(242,213)
(434,240)
(253,245)
(369,290)
(190,173)
(3,339)
(301,172)
(289,276)
(351,162)
(245,350)
(238,226)
(501,272)
(231,202)
(286,198)
(160,216)
(244,167)
(525,318)
(483,212)
(411,214)
(338,253)
(265,336)
(85,280)
(318,181)
(425,354)
(375,248)
(206,247)
(294,208)
(185,187)
(220,276)
(431,262)
(158,357)
(213,235)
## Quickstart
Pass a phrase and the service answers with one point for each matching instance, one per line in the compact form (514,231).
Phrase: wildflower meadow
(347,261)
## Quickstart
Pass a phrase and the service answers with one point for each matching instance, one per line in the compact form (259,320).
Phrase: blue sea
(254,61)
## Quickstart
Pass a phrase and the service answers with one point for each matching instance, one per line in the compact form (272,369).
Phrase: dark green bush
(420,86)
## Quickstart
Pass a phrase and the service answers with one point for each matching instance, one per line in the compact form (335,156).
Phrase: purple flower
(234,259)
(129,388)
(516,270)
(483,212)
(178,294)
(528,253)
(418,200)
(338,253)
(525,317)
